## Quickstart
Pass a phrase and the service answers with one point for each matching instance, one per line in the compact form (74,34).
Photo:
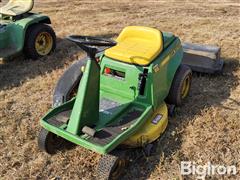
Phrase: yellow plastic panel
(151,130)
(137,45)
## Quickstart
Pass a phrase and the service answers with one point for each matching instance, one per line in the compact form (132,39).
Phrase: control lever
(142,81)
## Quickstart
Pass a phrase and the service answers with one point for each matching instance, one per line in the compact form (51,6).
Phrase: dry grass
(206,128)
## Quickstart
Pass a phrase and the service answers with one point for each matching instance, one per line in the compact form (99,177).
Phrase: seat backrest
(142,32)
(17,7)
(137,45)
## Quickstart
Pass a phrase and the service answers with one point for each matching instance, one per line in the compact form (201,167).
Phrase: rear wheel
(111,167)
(49,142)
(67,85)
(40,41)
(180,86)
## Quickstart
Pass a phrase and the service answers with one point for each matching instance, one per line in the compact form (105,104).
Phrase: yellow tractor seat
(137,45)
(17,7)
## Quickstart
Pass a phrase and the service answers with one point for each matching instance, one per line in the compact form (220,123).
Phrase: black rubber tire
(175,97)
(30,38)
(49,142)
(171,110)
(68,83)
(111,167)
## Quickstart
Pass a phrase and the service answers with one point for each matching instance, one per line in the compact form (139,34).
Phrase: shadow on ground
(206,91)
(15,71)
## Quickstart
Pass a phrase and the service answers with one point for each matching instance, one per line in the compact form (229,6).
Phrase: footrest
(89,131)
(60,119)
(107,134)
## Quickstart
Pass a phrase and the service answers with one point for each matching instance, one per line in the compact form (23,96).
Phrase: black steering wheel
(89,43)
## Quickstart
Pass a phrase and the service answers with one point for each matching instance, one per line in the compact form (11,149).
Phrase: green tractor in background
(24,31)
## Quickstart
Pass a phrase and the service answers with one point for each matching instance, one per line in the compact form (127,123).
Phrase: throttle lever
(142,81)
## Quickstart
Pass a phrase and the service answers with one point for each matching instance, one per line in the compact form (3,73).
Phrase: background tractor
(24,31)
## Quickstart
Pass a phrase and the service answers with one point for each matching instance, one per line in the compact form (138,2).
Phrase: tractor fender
(66,83)
(18,29)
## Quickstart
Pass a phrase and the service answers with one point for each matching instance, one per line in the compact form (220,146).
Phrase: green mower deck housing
(119,92)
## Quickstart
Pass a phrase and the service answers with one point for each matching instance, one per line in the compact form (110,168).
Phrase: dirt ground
(206,128)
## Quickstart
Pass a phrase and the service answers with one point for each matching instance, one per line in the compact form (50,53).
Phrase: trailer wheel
(40,40)
(111,167)
(49,142)
(180,86)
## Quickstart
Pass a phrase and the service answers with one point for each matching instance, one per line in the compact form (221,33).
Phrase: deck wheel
(111,167)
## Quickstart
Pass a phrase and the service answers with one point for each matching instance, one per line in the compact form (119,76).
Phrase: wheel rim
(117,168)
(43,43)
(186,86)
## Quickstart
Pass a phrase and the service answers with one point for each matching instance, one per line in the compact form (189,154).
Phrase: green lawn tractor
(24,31)
(121,99)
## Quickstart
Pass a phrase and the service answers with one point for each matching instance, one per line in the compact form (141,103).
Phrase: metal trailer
(203,58)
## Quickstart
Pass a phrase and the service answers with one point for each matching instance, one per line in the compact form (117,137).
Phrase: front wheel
(49,142)
(180,86)
(111,167)
(40,40)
